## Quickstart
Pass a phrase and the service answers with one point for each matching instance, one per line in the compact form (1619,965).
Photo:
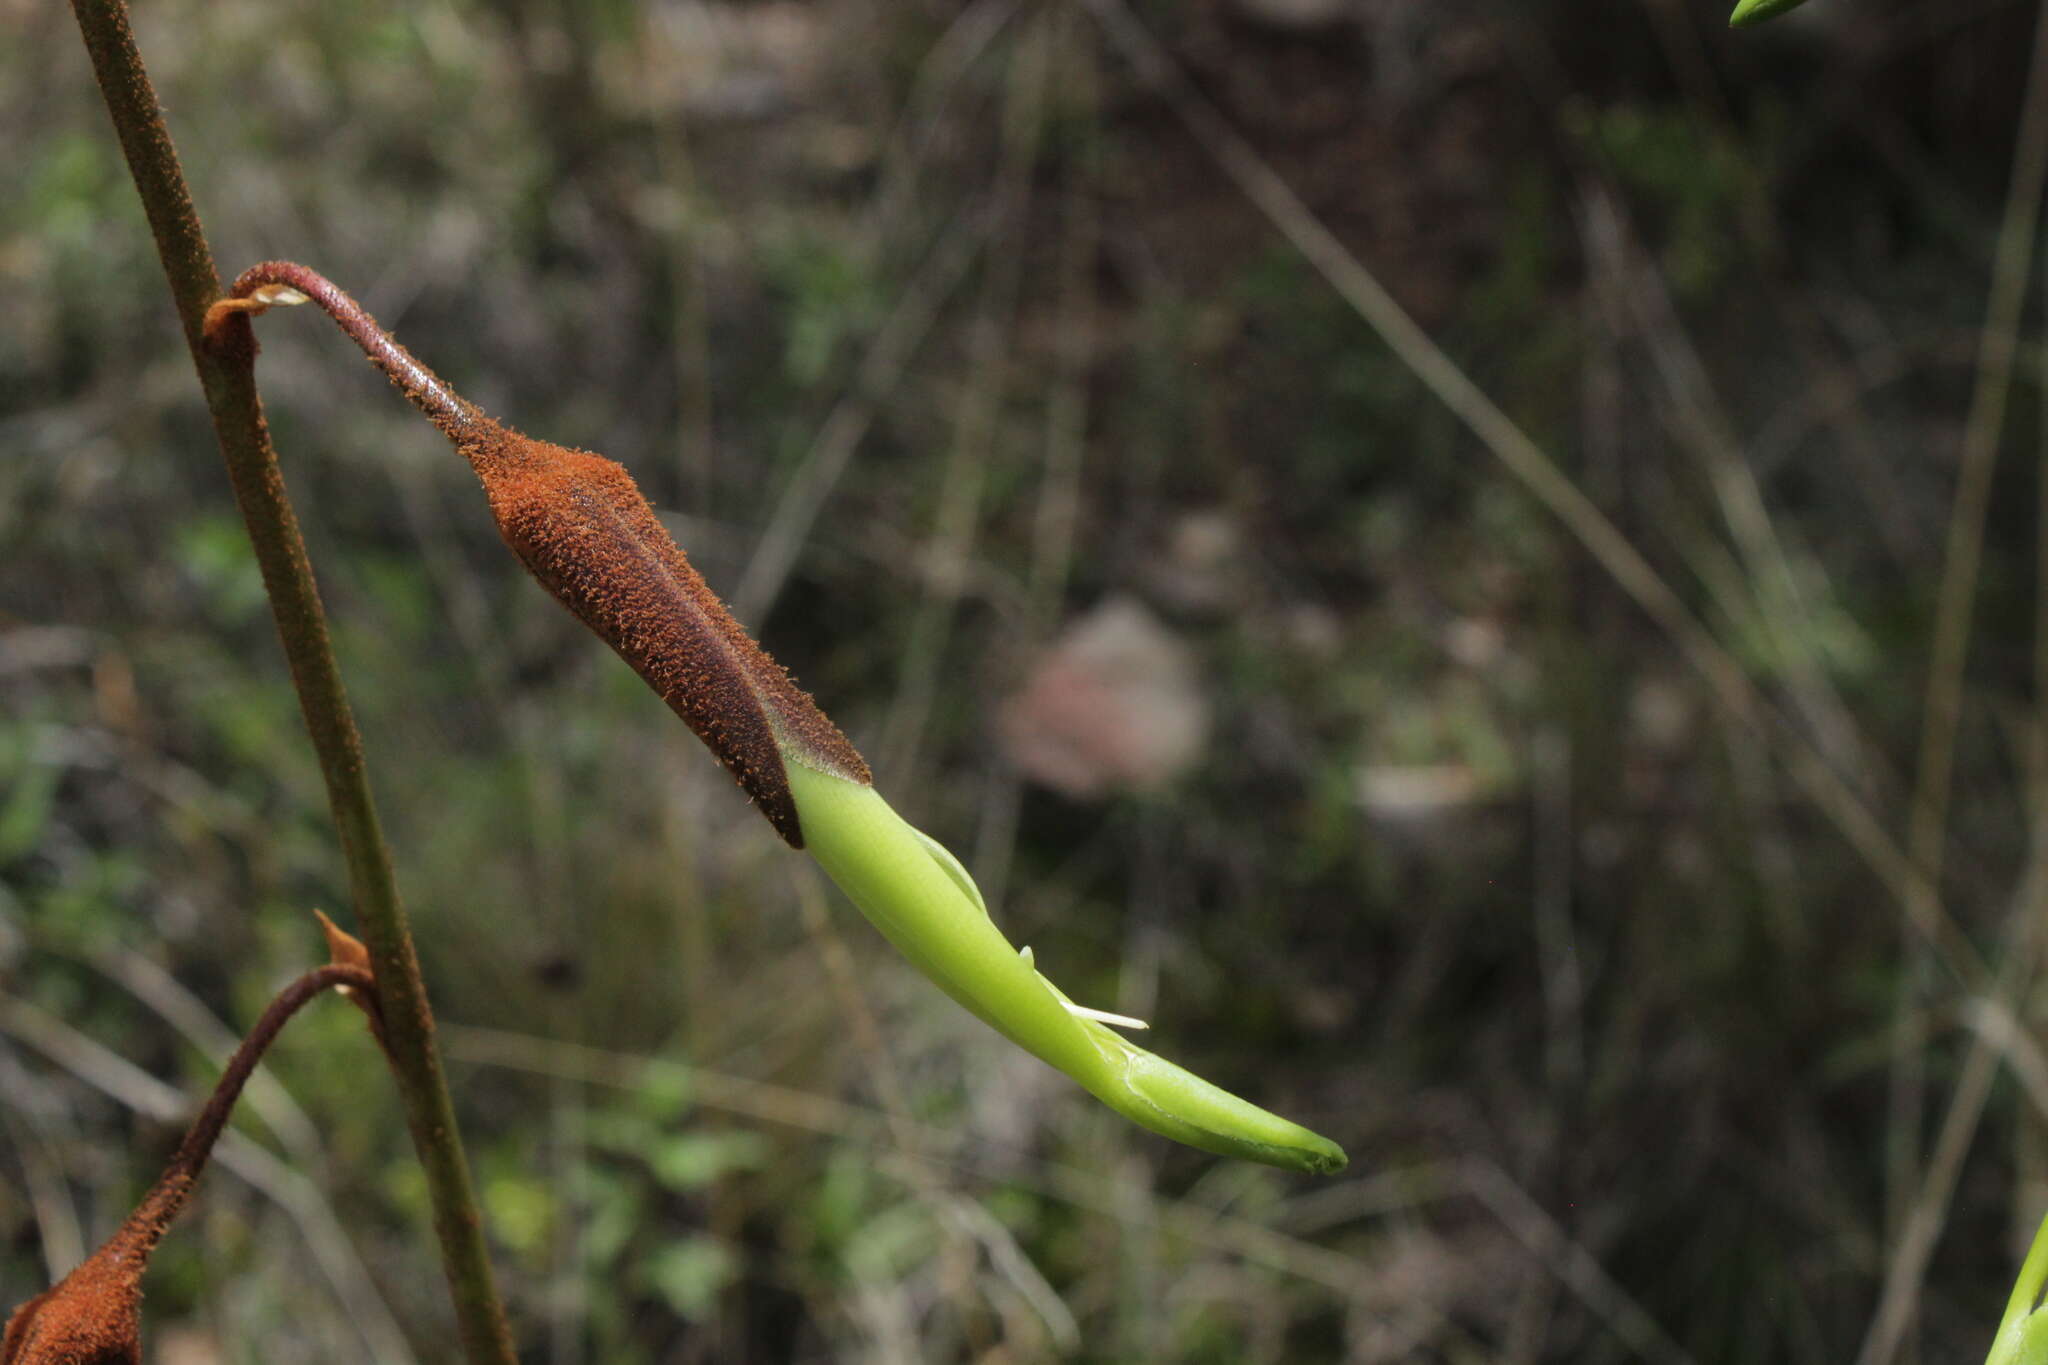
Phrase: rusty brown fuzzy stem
(93,1315)
(440,403)
(206,1129)
(580,525)
(227,374)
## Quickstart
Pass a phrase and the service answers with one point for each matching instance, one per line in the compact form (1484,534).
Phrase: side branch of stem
(418,383)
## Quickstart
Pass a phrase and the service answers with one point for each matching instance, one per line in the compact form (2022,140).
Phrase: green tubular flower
(923,901)
(580,526)
(1756,11)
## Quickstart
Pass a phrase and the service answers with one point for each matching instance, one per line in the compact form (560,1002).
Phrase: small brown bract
(93,1315)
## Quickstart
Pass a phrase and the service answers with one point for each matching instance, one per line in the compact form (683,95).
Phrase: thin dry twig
(1928,822)
(949,549)
(1998,345)
(1577,1267)
(826,461)
(1823,376)
(1638,300)
(854,1004)
(1994,1028)
(1923,1220)
(1557,950)
(25,1118)
(1056,517)
(925,111)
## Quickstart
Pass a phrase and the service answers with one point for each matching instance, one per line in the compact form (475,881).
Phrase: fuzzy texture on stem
(227,374)
(93,1315)
(582,528)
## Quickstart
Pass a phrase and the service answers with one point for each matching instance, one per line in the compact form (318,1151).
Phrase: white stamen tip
(1104,1016)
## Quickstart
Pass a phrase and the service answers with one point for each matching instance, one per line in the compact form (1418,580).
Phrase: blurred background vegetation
(1261,699)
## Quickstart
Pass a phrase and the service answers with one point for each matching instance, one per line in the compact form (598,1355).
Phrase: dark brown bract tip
(580,525)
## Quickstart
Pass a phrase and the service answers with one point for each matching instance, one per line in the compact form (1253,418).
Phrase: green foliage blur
(932,331)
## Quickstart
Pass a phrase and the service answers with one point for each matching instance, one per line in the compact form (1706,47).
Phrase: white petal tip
(1105,1017)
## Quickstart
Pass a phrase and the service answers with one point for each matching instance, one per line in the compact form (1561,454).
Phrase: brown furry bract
(580,525)
(93,1315)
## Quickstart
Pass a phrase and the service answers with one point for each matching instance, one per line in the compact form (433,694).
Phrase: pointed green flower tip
(1756,11)
(924,902)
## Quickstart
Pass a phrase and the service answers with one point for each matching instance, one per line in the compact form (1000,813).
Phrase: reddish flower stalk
(93,1315)
(582,528)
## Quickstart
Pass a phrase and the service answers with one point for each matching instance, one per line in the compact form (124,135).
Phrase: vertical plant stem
(226,373)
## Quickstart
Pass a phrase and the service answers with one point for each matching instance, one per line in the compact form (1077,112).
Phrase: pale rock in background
(1113,704)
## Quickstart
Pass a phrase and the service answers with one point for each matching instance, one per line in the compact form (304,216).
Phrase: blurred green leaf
(616,1208)
(522,1211)
(665,1094)
(689,1275)
(214,553)
(30,789)
(694,1160)
(840,1198)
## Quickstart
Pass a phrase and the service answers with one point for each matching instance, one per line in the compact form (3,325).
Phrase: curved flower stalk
(1756,11)
(581,527)
(93,1316)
